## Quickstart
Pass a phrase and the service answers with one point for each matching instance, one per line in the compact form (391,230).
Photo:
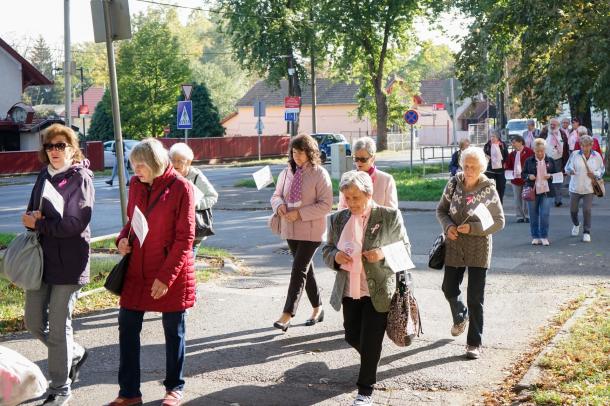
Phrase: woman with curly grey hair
(469,243)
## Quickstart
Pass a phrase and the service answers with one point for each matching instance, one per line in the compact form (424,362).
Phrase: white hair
(565,119)
(539,142)
(555,119)
(359,179)
(585,139)
(582,130)
(181,149)
(366,143)
(474,152)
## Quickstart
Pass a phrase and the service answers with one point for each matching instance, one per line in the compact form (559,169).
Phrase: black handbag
(116,277)
(203,223)
(436,256)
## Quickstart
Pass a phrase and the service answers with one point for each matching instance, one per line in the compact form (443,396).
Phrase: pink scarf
(296,188)
(350,242)
(496,156)
(573,140)
(517,170)
(542,185)
(372,173)
(529,139)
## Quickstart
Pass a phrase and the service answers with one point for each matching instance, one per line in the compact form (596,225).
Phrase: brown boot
(121,401)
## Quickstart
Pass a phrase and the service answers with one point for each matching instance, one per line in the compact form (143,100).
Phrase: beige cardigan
(384,192)
(317,202)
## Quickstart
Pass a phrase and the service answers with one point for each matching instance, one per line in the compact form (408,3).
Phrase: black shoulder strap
(153,204)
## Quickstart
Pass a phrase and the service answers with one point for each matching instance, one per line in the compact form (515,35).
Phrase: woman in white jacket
(585,165)
(182,156)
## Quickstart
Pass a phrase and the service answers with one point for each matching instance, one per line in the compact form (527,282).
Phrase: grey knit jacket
(473,249)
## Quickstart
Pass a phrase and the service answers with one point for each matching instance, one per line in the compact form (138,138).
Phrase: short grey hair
(554,119)
(463,142)
(366,143)
(539,142)
(582,130)
(477,153)
(531,122)
(565,120)
(183,150)
(151,153)
(360,179)
(495,133)
(585,139)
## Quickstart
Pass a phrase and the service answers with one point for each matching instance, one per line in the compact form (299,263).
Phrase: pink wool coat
(384,191)
(317,202)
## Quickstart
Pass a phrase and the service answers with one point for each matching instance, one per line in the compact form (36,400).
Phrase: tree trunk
(381,102)
(581,107)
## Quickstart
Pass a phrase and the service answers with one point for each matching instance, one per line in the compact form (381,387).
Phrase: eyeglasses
(60,146)
(359,159)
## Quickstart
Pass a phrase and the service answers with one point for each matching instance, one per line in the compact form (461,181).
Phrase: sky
(22,21)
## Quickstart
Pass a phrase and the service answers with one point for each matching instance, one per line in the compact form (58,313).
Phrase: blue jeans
(115,170)
(130,326)
(539,210)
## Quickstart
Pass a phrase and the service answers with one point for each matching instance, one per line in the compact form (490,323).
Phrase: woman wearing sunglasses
(384,186)
(64,236)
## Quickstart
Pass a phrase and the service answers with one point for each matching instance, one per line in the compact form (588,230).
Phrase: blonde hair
(62,131)
(538,142)
(151,153)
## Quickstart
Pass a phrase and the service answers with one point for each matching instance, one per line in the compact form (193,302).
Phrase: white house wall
(10,82)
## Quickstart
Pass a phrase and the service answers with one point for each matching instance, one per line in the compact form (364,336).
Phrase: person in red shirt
(515,162)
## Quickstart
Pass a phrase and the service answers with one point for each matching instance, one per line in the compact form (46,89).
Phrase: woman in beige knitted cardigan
(468,228)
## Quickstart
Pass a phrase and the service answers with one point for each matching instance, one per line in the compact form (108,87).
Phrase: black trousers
(302,275)
(475,298)
(500,179)
(364,330)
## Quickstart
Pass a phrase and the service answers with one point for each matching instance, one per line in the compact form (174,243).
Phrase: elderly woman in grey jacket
(182,156)
(469,213)
(364,283)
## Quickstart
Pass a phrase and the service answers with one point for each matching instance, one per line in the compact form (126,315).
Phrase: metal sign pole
(116,113)
(411,165)
(186,136)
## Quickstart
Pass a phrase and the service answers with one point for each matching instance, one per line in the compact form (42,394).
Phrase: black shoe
(557,204)
(319,319)
(527,220)
(109,182)
(56,400)
(73,374)
(521,221)
(281,326)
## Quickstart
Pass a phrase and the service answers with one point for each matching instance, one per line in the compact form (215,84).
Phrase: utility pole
(116,113)
(67,64)
(313,72)
(82,103)
(453,113)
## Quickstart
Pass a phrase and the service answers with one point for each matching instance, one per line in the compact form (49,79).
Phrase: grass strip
(505,395)
(577,371)
(5,239)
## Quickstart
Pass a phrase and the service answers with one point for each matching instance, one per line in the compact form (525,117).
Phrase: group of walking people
(161,276)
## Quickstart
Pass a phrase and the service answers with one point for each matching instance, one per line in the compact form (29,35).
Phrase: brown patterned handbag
(404,321)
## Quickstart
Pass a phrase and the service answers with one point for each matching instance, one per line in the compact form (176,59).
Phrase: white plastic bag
(20,378)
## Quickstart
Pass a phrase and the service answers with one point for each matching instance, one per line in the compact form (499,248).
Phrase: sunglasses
(363,160)
(60,146)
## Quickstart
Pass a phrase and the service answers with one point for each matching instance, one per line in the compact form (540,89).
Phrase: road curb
(533,376)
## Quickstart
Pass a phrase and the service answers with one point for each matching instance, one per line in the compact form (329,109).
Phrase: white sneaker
(575,231)
(545,242)
(586,237)
(536,241)
(362,400)
(473,352)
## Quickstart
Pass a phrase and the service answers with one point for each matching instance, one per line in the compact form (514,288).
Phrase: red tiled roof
(93,96)
(30,76)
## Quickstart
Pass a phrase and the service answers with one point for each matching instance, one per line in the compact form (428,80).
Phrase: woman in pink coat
(303,197)
(384,186)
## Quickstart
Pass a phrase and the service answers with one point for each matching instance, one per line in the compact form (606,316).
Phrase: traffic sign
(259,108)
(292,102)
(185,115)
(290,116)
(411,117)
(187,90)
(291,110)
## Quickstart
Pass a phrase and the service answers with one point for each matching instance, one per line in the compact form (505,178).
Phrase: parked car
(326,139)
(517,126)
(109,156)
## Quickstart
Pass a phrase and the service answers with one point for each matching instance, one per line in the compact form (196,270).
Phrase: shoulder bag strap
(582,155)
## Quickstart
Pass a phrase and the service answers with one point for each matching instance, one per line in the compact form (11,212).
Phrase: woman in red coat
(516,163)
(161,275)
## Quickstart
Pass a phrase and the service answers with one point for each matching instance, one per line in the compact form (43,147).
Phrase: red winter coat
(595,147)
(167,250)
(510,163)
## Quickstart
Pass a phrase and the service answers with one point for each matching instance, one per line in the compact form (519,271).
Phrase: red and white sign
(83,110)
(186,90)
(292,102)
(438,106)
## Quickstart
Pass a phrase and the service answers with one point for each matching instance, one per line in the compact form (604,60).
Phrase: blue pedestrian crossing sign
(411,117)
(290,116)
(185,115)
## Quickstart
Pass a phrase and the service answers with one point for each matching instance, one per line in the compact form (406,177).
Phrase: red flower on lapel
(63,183)
(469,199)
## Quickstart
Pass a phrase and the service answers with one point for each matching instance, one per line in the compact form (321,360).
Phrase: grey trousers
(587,203)
(48,316)
(520,204)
